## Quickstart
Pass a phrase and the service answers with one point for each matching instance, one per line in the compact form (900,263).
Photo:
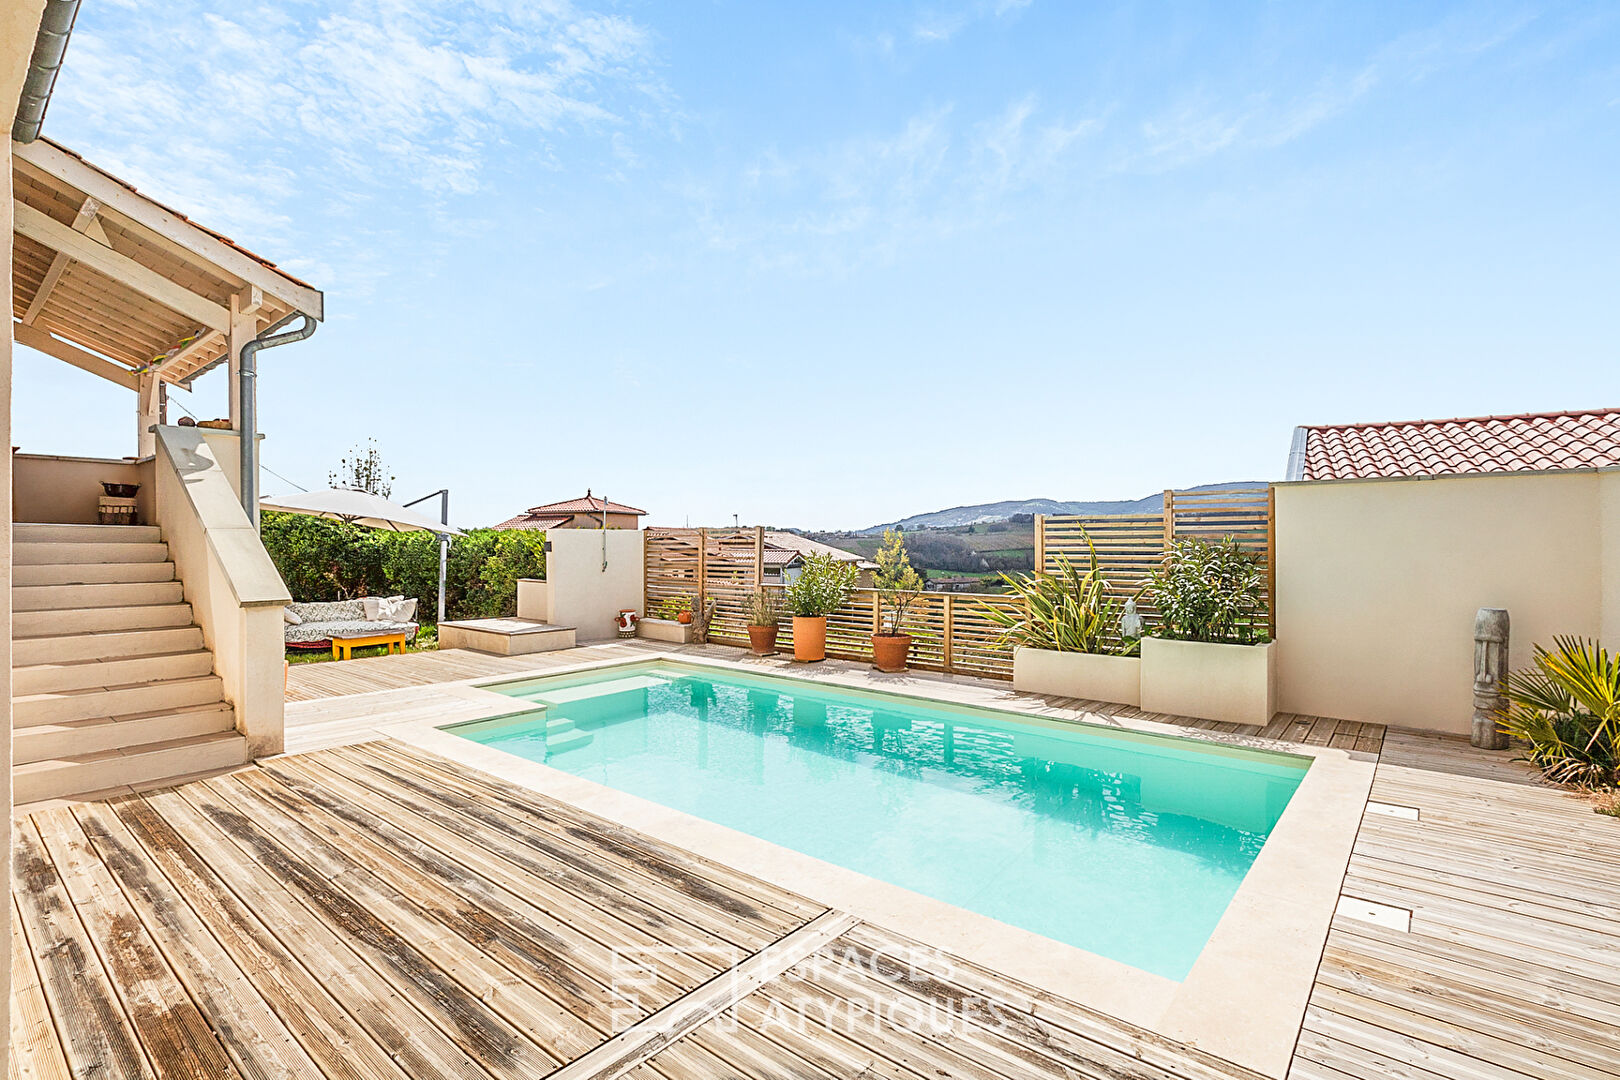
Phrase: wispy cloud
(861,199)
(231,111)
(1204,123)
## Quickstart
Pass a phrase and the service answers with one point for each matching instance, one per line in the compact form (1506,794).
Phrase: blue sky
(829,265)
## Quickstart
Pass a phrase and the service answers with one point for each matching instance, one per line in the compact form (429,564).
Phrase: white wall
(19,25)
(1378,583)
(584,595)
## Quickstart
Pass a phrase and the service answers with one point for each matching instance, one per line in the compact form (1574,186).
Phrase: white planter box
(1234,684)
(1080,675)
(665,630)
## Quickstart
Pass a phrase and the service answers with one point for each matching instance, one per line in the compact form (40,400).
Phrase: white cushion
(292,617)
(398,609)
(373,607)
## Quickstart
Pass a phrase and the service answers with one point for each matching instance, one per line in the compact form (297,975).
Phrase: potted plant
(764,613)
(897,587)
(824,585)
(1070,635)
(1210,656)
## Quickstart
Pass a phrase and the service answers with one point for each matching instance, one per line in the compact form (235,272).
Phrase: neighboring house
(1391,536)
(785,552)
(581,513)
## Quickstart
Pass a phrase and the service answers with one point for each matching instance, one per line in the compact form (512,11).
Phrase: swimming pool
(1126,845)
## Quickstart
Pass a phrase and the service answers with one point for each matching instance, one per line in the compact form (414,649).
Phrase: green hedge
(331,560)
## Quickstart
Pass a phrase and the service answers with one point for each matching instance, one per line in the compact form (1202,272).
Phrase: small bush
(333,560)
(1210,592)
(822,587)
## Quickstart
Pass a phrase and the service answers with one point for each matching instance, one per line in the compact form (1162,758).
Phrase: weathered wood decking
(372,910)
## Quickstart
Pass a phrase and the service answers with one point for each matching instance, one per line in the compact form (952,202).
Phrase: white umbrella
(371,511)
(358,508)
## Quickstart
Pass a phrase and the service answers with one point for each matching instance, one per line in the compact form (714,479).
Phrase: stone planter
(665,630)
(1234,684)
(1117,679)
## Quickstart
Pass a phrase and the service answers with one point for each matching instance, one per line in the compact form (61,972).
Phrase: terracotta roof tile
(531,521)
(583,505)
(1529,442)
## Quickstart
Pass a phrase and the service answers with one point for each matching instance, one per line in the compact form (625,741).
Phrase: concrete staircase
(111,682)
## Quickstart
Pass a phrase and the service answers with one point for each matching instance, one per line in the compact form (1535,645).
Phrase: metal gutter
(248,375)
(55,27)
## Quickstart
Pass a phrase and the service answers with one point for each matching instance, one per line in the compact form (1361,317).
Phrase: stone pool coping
(1245,997)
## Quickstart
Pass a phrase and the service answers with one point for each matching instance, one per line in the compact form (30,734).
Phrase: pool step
(562,735)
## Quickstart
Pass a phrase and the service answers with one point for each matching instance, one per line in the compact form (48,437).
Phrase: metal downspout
(55,26)
(269,339)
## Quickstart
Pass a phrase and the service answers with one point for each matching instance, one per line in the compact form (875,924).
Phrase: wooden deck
(1511,966)
(374,911)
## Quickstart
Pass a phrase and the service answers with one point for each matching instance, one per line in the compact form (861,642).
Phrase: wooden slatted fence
(1130,546)
(949,630)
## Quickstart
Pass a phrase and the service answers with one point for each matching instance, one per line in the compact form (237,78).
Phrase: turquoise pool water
(1124,845)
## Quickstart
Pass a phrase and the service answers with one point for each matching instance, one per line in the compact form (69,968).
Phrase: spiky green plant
(762,608)
(1566,707)
(1068,611)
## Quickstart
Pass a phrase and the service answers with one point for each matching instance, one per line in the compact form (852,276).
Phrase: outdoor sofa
(311,626)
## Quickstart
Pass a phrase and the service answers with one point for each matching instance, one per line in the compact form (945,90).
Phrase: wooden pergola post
(148,413)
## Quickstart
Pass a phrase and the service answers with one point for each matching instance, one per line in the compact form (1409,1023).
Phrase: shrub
(1066,612)
(822,587)
(1210,592)
(896,583)
(321,559)
(1567,708)
(762,608)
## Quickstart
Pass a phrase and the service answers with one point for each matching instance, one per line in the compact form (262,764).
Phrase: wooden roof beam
(130,204)
(81,223)
(35,338)
(40,226)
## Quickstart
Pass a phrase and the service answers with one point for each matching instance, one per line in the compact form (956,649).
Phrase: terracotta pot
(889,651)
(684,618)
(809,638)
(762,639)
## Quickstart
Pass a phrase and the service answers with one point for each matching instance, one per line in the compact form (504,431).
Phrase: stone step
(91,573)
(25,553)
(76,738)
(83,774)
(66,705)
(100,595)
(57,677)
(104,645)
(30,624)
(38,533)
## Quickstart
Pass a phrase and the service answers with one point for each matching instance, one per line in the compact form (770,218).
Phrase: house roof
(533,521)
(806,546)
(588,504)
(115,282)
(1527,442)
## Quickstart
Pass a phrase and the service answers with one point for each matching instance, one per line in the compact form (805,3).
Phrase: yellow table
(343,647)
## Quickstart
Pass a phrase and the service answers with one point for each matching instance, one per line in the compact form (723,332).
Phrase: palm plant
(1566,707)
(1068,611)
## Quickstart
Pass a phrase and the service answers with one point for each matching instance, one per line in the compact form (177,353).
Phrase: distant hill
(1001,511)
